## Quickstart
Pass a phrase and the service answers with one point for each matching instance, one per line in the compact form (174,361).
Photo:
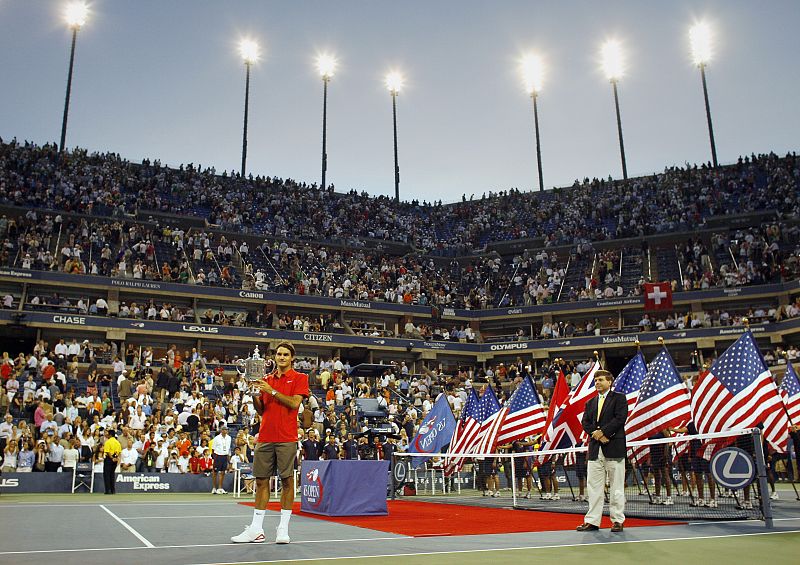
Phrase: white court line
(712,523)
(237,516)
(192,546)
(139,536)
(491,550)
(123,503)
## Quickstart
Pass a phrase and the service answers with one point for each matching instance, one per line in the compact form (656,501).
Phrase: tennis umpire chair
(82,476)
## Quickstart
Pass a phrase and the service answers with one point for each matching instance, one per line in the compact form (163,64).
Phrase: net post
(761,467)
(513,462)
(393,476)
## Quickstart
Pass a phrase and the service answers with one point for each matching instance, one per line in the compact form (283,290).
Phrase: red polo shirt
(279,423)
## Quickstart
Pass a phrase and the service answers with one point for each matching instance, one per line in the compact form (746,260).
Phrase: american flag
(664,402)
(738,393)
(466,434)
(790,392)
(566,429)
(629,381)
(492,415)
(523,414)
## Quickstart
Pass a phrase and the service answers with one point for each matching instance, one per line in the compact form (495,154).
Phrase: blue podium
(344,487)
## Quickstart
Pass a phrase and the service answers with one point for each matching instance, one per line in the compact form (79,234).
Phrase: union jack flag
(790,393)
(492,418)
(566,429)
(738,393)
(466,435)
(523,414)
(629,380)
(664,402)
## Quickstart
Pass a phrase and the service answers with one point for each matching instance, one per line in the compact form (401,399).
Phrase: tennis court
(174,528)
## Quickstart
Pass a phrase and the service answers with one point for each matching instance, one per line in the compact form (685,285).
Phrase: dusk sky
(163,79)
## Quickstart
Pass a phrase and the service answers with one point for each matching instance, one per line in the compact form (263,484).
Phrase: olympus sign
(317,337)
(507,346)
(201,329)
(247,294)
(75,320)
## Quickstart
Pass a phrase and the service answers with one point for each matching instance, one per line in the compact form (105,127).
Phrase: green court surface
(776,549)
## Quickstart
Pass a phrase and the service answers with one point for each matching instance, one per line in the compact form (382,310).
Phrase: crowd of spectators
(679,199)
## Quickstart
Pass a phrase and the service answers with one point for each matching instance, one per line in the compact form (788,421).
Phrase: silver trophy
(254,368)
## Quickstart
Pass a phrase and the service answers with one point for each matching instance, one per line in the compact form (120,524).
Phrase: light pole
(394,82)
(532,74)
(326,65)
(700,40)
(249,51)
(75,14)
(613,66)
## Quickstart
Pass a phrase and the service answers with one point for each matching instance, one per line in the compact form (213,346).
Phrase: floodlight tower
(532,75)
(700,40)
(614,68)
(250,53)
(394,82)
(326,65)
(75,14)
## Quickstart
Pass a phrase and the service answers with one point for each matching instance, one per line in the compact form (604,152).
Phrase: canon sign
(248,294)
(508,346)
(201,329)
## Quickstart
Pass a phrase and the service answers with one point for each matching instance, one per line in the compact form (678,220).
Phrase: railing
(735,263)
(564,278)
(277,274)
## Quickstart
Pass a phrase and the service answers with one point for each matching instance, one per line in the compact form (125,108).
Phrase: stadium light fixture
(75,15)
(532,67)
(700,40)
(250,52)
(700,37)
(394,82)
(613,63)
(326,66)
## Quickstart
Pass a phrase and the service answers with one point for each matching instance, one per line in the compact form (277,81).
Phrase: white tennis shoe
(249,535)
(282,535)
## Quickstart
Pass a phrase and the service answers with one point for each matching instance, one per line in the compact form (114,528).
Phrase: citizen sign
(317,337)
(508,346)
(75,320)
(201,329)
(246,294)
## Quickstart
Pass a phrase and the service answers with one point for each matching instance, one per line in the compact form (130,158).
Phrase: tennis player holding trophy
(278,390)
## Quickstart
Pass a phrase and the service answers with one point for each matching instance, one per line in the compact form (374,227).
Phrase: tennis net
(718,476)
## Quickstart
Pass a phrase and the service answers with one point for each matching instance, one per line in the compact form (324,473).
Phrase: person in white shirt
(128,459)
(137,420)
(221,448)
(163,455)
(70,456)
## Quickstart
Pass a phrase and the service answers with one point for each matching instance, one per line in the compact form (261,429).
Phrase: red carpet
(431,519)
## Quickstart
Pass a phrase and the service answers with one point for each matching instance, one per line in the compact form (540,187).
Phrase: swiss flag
(658,296)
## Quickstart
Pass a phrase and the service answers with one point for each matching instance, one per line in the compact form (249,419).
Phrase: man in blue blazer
(604,421)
